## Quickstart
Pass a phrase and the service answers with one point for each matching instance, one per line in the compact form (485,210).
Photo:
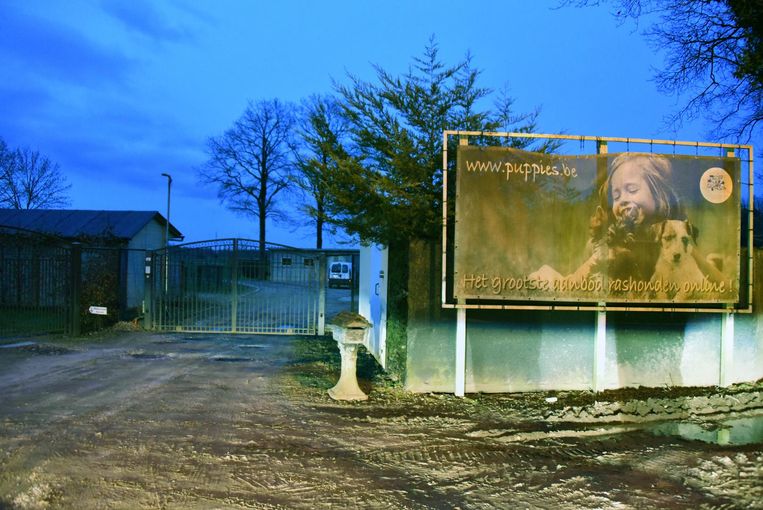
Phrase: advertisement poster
(627,227)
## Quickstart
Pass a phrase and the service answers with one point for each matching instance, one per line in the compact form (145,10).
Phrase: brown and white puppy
(676,265)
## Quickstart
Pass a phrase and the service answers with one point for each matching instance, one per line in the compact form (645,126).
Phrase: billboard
(627,227)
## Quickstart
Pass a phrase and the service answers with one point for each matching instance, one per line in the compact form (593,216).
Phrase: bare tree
(321,129)
(250,163)
(713,52)
(6,159)
(29,180)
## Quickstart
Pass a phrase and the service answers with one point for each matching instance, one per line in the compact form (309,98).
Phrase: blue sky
(118,91)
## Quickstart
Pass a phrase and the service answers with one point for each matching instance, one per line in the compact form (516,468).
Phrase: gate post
(234,285)
(322,283)
(354,285)
(75,276)
(148,293)
(124,291)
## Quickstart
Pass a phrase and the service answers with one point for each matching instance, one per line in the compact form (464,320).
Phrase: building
(131,233)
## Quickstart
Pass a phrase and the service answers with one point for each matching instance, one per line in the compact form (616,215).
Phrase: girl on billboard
(626,231)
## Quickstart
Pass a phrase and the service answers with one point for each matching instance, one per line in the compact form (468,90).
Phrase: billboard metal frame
(601,143)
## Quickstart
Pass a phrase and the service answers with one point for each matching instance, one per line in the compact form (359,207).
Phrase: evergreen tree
(387,183)
(321,127)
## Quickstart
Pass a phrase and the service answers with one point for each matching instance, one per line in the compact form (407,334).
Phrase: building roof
(79,223)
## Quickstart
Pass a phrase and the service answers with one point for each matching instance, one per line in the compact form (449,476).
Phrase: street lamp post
(167,235)
(167,226)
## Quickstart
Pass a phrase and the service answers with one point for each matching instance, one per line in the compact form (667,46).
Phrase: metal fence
(236,286)
(48,285)
(35,284)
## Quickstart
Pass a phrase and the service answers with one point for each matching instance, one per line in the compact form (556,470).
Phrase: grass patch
(317,364)
(14,321)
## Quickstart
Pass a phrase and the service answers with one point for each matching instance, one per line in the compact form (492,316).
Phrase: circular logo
(716,185)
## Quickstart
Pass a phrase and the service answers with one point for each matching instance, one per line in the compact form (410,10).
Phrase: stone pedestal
(350,332)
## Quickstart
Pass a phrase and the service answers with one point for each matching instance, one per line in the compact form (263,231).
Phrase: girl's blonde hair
(658,174)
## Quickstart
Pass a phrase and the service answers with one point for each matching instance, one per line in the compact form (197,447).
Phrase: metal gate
(236,286)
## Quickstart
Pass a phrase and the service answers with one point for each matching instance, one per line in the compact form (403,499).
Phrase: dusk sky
(119,91)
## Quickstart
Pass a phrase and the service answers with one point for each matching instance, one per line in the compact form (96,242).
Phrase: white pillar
(600,351)
(460,352)
(726,376)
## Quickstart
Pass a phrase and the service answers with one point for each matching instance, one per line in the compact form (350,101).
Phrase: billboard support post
(727,350)
(600,351)
(600,342)
(460,382)
(460,352)
(727,336)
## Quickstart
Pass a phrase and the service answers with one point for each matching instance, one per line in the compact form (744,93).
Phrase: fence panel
(233,286)
(34,285)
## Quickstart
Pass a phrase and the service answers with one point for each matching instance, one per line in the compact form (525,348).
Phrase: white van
(340,274)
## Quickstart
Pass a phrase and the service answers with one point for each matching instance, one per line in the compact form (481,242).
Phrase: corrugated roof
(76,223)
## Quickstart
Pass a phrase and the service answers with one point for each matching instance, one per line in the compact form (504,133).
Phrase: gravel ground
(139,420)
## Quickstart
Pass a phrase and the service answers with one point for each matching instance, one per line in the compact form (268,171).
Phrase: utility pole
(167,235)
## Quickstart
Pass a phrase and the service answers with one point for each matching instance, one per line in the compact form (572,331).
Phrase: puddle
(185,339)
(191,348)
(193,338)
(147,355)
(35,348)
(737,431)
(17,345)
(229,359)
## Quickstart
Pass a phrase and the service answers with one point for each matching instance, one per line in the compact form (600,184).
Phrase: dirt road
(136,420)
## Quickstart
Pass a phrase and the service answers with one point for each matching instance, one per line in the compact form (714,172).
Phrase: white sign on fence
(98,310)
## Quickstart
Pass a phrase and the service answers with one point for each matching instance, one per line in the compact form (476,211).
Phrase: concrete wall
(509,351)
